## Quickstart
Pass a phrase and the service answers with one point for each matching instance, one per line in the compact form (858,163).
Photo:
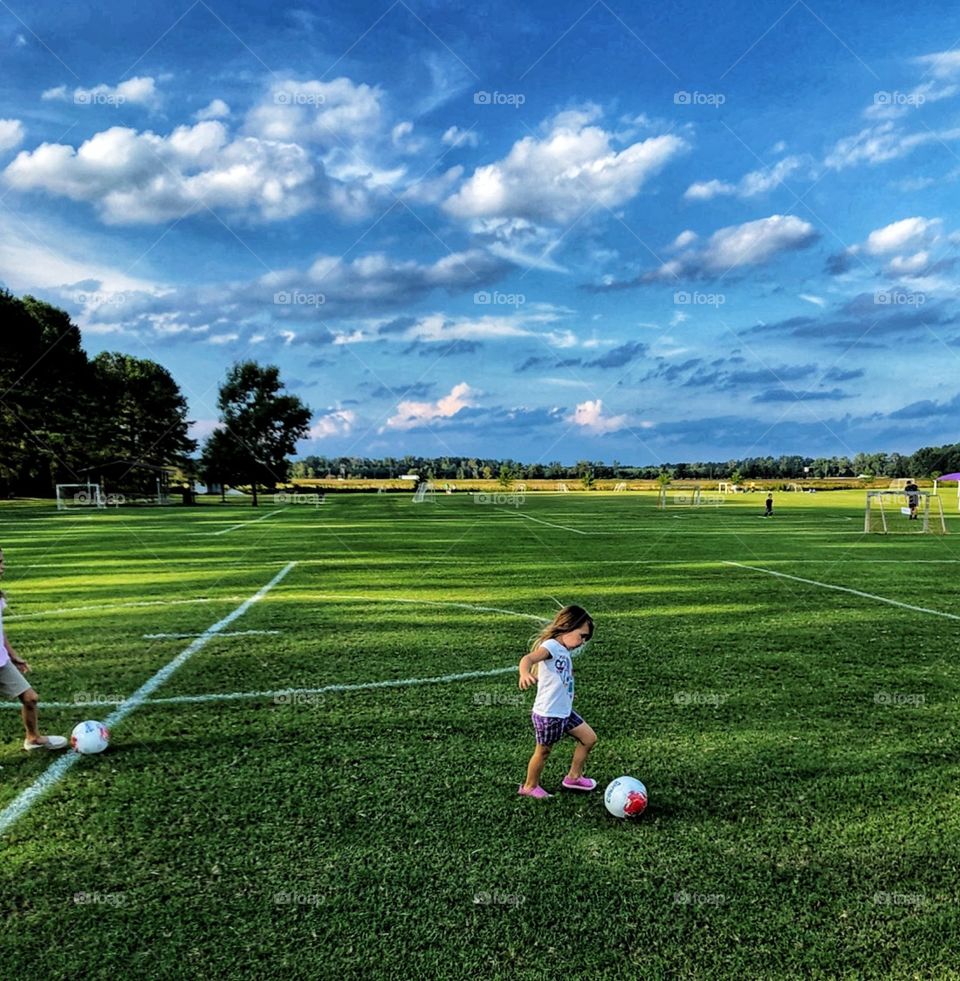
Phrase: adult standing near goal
(14,685)
(913,498)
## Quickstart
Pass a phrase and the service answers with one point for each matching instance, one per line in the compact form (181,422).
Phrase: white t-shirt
(554,682)
(4,656)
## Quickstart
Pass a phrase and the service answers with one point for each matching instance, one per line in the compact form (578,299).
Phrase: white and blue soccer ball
(625,797)
(90,737)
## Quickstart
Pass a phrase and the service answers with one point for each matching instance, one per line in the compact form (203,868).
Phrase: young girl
(14,685)
(553,713)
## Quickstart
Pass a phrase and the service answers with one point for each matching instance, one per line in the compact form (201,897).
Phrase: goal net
(676,497)
(71,496)
(424,492)
(895,512)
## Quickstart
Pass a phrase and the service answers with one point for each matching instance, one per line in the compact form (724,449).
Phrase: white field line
(243,524)
(845,589)
(530,517)
(423,602)
(55,772)
(290,693)
(119,606)
(233,696)
(235,633)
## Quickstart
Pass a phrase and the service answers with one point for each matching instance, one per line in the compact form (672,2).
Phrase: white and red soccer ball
(90,737)
(625,797)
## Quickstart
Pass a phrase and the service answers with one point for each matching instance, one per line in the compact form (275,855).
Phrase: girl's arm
(18,662)
(527,662)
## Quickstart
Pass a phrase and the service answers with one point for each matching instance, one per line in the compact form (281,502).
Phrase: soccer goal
(71,496)
(894,512)
(679,498)
(621,487)
(425,492)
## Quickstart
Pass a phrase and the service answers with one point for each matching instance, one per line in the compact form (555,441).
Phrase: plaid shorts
(551,729)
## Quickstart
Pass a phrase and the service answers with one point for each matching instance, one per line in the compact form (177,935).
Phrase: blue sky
(549,231)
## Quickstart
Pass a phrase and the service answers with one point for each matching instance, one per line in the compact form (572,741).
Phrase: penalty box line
(846,589)
(56,771)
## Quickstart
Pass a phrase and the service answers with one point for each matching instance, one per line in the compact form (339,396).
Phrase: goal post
(88,495)
(895,511)
(669,496)
(425,492)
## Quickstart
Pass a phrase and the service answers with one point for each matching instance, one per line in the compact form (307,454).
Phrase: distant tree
(262,424)
(587,480)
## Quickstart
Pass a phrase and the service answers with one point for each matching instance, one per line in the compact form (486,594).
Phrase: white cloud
(684,239)
(903,234)
(756,241)
(908,266)
(749,244)
(750,185)
(817,301)
(326,113)
(338,422)
(413,415)
(377,278)
(941,64)
(140,90)
(883,142)
(11,134)
(142,177)
(36,254)
(589,415)
(435,328)
(400,137)
(455,136)
(555,179)
(217,109)
(705,190)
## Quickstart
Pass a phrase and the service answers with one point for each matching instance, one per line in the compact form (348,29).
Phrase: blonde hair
(567,619)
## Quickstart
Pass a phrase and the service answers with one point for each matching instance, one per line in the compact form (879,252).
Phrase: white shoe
(47,742)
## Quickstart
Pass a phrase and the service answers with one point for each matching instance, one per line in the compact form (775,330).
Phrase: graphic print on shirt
(564,669)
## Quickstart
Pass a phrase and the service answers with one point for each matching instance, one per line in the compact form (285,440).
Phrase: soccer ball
(90,737)
(625,797)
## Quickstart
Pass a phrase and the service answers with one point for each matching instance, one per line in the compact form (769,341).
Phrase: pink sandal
(538,792)
(581,783)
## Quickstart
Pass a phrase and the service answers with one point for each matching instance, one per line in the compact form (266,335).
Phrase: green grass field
(799,743)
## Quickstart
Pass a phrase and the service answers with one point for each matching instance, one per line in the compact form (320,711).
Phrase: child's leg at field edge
(586,739)
(28,711)
(536,765)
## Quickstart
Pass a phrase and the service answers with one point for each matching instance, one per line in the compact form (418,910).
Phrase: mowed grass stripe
(22,804)
(846,589)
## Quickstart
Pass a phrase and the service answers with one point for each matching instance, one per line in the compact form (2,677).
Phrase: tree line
(115,418)
(66,418)
(927,462)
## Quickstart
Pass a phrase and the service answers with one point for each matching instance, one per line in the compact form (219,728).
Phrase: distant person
(768,512)
(913,498)
(14,685)
(553,715)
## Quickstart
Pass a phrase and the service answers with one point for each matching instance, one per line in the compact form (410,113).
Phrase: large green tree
(141,419)
(44,411)
(260,424)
